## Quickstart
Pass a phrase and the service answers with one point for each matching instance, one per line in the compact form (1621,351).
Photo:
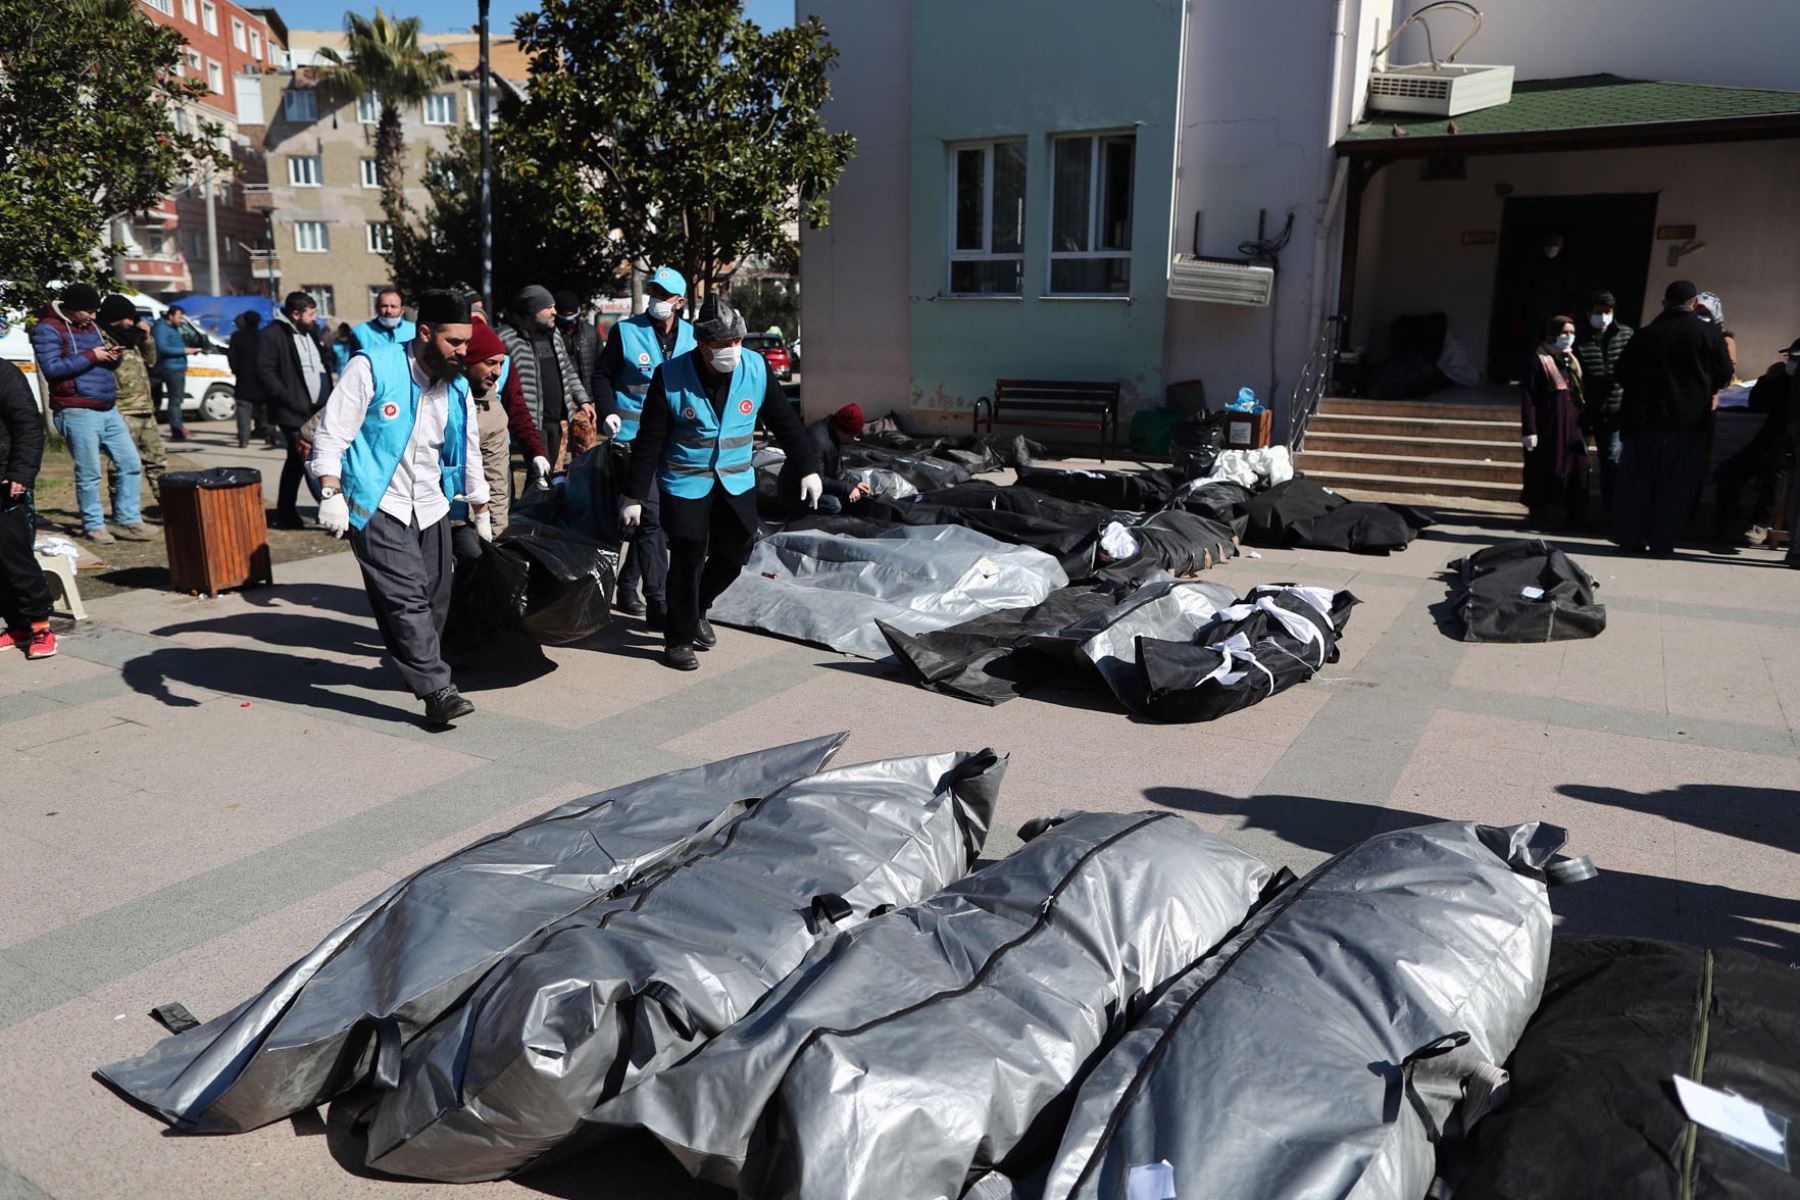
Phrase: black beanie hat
(441,306)
(81,297)
(116,308)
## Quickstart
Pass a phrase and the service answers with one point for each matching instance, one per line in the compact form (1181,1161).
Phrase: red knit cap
(484,343)
(849,420)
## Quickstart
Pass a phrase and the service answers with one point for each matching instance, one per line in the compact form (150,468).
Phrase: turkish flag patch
(687,414)
(744,406)
(390,410)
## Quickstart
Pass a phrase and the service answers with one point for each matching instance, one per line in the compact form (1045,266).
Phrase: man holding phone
(79,366)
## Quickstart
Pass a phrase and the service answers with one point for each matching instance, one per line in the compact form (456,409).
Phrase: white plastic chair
(60,568)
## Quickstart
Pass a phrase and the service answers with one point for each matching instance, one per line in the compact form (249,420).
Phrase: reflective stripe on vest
(701,445)
(640,355)
(371,459)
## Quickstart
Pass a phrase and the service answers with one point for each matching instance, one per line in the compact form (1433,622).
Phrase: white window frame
(446,102)
(209,17)
(240,36)
(215,76)
(370,174)
(305,170)
(324,295)
(165,7)
(985,254)
(378,237)
(195,63)
(309,110)
(319,245)
(368,108)
(256,45)
(1095,141)
(189,11)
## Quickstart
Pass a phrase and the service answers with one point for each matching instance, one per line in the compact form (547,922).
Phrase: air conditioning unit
(1220,280)
(1439,90)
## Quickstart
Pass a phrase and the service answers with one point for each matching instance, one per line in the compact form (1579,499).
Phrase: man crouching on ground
(398,441)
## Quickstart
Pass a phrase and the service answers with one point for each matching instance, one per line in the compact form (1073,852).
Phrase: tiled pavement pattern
(196,790)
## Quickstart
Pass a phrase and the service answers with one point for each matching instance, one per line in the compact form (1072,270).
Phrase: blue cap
(669,280)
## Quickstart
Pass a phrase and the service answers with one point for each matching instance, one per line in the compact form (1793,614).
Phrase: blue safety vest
(372,333)
(701,446)
(387,427)
(641,354)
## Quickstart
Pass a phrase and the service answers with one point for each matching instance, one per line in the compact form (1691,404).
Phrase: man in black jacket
(1670,374)
(827,435)
(291,375)
(1598,348)
(580,339)
(24,596)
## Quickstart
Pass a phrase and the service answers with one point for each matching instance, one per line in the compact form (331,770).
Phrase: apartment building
(174,247)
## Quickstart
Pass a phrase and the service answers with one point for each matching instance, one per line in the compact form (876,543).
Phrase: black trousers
(24,596)
(648,562)
(709,542)
(293,471)
(406,572)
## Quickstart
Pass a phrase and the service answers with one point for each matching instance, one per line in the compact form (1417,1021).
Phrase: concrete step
(1426,409)
(1444,429)
(1356,485)
(1312,461)
(1508,451)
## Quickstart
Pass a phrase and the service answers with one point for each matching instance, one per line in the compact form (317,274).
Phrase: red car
(774,352)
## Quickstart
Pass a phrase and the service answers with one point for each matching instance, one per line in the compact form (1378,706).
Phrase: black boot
(446,705)
(629,602)
(681,657)
(704,637)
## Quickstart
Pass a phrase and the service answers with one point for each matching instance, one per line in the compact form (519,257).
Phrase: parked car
(211,386)
(774,352)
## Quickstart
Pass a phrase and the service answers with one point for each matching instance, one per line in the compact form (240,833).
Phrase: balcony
(265,264)
(258,198)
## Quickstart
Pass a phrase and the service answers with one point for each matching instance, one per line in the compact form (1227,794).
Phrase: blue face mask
(1564,340)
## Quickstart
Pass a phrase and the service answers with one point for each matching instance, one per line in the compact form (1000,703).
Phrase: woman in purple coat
(1556,460)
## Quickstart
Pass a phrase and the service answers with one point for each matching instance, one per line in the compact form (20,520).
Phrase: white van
(211,387)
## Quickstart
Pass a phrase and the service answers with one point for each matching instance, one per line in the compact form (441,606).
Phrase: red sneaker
(43,644)
(15,637)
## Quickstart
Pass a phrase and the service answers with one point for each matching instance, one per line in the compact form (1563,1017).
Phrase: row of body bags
(793,978)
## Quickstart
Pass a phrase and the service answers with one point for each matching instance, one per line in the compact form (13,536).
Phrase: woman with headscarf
(1556,462)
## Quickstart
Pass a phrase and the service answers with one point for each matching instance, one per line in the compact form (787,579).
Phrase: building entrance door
(1600,242)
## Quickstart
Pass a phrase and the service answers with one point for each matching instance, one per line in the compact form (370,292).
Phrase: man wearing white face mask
(389,327)
(637,347)
(693,446)
(1597,347)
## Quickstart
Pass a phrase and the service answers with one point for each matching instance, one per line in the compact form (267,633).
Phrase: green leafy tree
(383,55)
(88,95)
(768,302)
(701,130)
(548,227)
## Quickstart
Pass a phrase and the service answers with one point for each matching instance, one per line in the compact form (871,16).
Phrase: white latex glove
(484,525)
(612,424)
(334,515)
(630,513)
(540,472)
(1529,441)
(811,488)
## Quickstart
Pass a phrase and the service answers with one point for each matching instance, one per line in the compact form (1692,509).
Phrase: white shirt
(415,491)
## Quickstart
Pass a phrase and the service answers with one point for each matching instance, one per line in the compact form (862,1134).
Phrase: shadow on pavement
(280,629)
(266,675)
(331,597)
(1614,902)
(1691,551)
(1767,815)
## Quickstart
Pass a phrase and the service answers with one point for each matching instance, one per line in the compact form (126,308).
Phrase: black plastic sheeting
(928,1045)
(551,585)
(1133,491)
(214,478)
(1218,500)
(1591,1110)
(406,957)
(1279,636)
(989,660)
(600,1001)
(1173,540)
(1525,591)
(1307,514)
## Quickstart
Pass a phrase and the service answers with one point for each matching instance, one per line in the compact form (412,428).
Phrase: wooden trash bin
(215,529)
(1249,431)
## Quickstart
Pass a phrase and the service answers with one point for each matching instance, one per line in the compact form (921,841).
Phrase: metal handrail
(1315,379)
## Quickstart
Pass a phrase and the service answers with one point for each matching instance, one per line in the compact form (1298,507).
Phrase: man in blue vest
(693,448)
(622,379)
(397,443)
(389,327)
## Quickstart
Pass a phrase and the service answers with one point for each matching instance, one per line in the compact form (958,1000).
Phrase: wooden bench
(1063,403)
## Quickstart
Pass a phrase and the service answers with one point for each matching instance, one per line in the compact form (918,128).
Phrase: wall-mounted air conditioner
(1220,280)
(1440,89)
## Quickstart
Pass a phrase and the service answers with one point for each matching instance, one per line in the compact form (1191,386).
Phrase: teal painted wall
(1031,69)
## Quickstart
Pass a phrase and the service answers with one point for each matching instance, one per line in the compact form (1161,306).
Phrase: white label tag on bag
(1532,593)
(1743,1121)
(1151,1181)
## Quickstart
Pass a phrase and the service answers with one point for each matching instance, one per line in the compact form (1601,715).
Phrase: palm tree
(383,56)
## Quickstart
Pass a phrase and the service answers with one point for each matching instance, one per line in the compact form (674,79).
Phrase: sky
(443,16)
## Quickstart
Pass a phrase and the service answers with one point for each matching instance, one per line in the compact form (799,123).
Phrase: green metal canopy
(1581,112)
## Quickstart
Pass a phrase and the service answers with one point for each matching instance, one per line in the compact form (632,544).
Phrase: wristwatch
(327,492)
